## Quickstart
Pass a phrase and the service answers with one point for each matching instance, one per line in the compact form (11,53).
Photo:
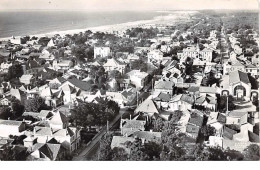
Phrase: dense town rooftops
(238,76)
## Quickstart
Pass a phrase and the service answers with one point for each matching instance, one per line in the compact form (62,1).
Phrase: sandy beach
(172,18)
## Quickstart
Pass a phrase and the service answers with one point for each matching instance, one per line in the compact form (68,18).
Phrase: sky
(127,4)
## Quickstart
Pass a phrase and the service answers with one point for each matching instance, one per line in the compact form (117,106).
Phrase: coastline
(172,17)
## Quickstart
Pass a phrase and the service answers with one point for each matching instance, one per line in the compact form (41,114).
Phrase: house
(128,127)
(207,101)
(194,124)
(138,78)
(62,65)
(155,57)
(112,64)
(117,97)
(121,142)
(5,66)
(162,100)
(217,120)
(102,52)
(195,52)
(58,121)
(164,86)
(148,136)
(181,102)
(26,79)
(148,107)
(236,84)
(69,137)
(51,43)
(252,70)
(46,152)
(230,66)
(235,117)
(11,127)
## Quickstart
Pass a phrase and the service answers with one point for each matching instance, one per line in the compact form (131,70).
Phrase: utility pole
(107,126)
(136,98)
(227,105)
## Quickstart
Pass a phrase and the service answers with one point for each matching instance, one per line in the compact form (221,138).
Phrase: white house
(138,78)
(112,64)
(102,51)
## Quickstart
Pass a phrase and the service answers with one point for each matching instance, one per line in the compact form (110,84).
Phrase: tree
(208,131)
(222,103)
(119,154)
(36,104)
(17,107)
(5,113)
(137,152)
(158,125)
(153,150)
(105,152)
(15,71)
(252,153)
(10,153)
(91,114)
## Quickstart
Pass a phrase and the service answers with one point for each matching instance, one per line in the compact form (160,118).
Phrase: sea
(21,23)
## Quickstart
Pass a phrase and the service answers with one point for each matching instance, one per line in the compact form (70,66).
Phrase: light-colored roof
(236,114)
(148,106)
(134,124)
(26,77)
(183,97)
(150,136)
(10,122)
(58,118)
(120,141)
(42,131)
(167,85)
(111,63)
(238,76)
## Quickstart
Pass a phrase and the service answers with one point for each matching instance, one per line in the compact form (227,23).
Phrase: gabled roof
(228,133)
(167,85)
(183,97)
(204,89)
(58,118)
(148,106)
(163,97)
(111,63)
(206,98)
(237,114)
(149,136)
(80,84)
(193,89)
(42,131)
(10,122)
(238,76)
(50,150)
(121,141)
(134,124)
(195,119)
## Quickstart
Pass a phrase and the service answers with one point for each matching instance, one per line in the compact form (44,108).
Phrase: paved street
(88,151)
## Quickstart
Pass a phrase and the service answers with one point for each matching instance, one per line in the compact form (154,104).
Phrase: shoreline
(171,17)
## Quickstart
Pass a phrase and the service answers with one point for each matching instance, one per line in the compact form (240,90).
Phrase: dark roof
(163,97)
(253,137)
(221,118)
(196,119)
(228,133)
(80,84)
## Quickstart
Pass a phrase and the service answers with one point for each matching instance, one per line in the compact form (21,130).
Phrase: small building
(26,79)
(102,52)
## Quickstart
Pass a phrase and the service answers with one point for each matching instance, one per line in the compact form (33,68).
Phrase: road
(87,153)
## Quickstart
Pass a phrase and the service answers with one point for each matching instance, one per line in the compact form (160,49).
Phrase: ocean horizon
(22,23)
